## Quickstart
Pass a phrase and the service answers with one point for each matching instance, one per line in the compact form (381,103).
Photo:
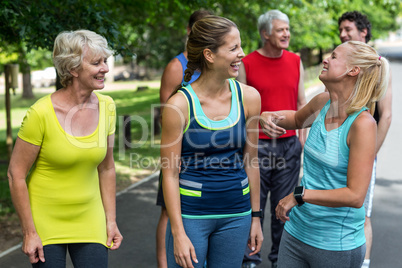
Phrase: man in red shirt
(278,76)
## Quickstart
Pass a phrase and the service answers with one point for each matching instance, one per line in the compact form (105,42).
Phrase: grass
(132,164)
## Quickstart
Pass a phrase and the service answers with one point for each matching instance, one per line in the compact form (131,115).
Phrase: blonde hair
(69,49)
(372,81)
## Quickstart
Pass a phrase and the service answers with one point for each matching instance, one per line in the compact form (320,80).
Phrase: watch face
(299,190)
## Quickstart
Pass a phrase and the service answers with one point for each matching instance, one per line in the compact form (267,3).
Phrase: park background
(145,36)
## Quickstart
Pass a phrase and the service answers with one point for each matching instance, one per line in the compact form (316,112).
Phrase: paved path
(137,214)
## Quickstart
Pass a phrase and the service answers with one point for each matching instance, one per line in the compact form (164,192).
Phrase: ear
(74,73)
(208,55)
(364,33)
(355,71)
(265,34)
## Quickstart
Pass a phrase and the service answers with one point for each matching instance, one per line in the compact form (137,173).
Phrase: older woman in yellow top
(67,200)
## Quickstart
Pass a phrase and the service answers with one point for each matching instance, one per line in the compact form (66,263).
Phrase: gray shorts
(368,201)
(294,253)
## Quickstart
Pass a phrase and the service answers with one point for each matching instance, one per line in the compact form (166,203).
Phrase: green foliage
(39,59)
(155,31)
(38,22)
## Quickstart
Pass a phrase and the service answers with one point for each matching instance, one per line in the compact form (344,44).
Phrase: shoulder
(174,63)
(363,130)
(250,94)
(107,101)
(250,57)
(175,111)
(178,100)
(320,100)
(102,97)
(364,122)
(251,100)
(174,67)
(291,54)
(42,105)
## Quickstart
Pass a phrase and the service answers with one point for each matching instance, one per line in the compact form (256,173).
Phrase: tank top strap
(184,90)
(236,85)
(345,129)
(239,90)
(183,62)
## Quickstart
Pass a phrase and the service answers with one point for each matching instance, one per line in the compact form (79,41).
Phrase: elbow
(388,118)
(10,178)
(357,202)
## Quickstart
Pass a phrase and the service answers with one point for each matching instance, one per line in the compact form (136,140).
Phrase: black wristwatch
(259,214)
(298,194)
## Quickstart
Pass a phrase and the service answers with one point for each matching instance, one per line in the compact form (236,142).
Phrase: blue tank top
(183,62)
(326,157)
(213,182)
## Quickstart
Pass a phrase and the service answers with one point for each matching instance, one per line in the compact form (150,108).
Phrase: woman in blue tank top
(325,226)
(209,154)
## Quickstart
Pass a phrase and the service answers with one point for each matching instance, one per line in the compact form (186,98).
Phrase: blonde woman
(67,200)
(325,226)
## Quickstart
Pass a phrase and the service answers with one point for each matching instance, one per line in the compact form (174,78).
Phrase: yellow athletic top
(63,184)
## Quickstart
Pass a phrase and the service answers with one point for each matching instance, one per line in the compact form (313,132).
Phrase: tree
(35,24)
(155,30)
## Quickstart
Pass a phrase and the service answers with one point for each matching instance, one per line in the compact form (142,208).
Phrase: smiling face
(349,32)
(92,72)
(335,66)
(280,35)
(228,56)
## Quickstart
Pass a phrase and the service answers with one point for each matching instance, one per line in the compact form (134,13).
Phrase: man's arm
(242,74)
(384,107)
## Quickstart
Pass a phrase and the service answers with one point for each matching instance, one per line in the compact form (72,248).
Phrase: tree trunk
(26,84)
(26,74)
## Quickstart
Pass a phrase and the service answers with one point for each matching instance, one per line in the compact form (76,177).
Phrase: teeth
(236,64)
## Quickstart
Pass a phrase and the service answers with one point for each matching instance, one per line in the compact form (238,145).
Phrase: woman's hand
(284,206)
(184,252)
(269,121)
(256,237)
(32,247)
(114,237)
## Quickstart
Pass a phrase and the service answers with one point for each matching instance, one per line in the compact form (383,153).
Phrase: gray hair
(265,21)
(70,47)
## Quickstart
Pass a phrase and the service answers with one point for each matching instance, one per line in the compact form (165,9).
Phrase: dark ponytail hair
(207,33)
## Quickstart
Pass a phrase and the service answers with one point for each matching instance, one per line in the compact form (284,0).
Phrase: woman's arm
(173,122)
(301,102)
(22,159)
(107,182)
(252,105)
(274,124)
(361,141)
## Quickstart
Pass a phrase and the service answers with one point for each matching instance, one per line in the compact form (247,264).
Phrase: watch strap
(299,196)
(258,214)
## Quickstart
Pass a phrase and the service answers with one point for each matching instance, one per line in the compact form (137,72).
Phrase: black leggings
(83,255)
